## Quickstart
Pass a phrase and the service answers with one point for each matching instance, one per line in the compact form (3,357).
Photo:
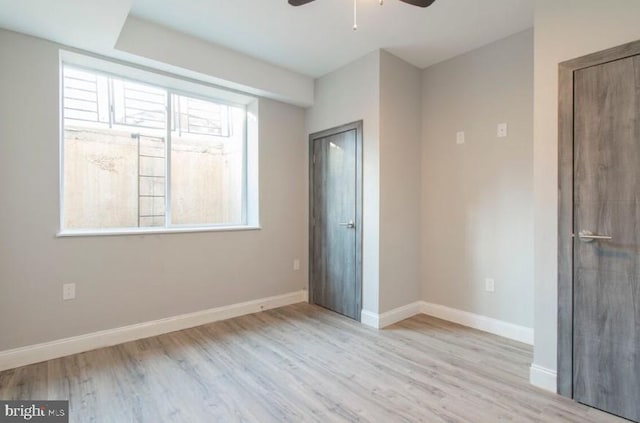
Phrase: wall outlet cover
(69,291)
(490,285)
(503,130)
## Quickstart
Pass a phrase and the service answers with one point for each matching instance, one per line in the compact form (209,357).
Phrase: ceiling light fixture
(419,3)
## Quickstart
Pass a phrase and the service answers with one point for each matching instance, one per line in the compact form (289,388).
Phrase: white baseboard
(390,317)
(543,378)
(476,321)
(23,356)
(369,318)
(483,323)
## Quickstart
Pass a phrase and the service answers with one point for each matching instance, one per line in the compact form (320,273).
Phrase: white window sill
(155,231)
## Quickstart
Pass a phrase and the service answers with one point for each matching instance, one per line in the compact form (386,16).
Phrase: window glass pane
(151,180)
(207,162)
(85,96)
(116,137)
(114,165)
(139,105)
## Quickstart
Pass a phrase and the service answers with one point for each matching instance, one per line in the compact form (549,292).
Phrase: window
(139,157)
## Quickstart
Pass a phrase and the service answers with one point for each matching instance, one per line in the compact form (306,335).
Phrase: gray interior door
(335,222)
(606,340)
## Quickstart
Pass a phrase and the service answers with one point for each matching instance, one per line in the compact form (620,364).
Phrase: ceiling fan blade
(419,3)
(299,2)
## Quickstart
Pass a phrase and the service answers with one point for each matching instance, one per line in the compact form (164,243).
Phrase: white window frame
(173,84)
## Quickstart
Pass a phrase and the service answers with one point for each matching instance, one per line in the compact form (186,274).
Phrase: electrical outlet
(460,137)
(296,264)
(69,291)
(489,285)
(503,130)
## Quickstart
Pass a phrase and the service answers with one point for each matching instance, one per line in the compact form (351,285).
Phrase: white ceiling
(318,37)
(312,39)
(93,25)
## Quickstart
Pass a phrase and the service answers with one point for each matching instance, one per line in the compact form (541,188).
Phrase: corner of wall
(543,378)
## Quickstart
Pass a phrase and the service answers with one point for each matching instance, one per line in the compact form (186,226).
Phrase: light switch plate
(460,137)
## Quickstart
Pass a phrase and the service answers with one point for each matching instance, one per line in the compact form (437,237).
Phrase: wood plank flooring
(301,363)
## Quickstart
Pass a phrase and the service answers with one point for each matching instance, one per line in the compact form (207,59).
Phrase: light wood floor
(301,363)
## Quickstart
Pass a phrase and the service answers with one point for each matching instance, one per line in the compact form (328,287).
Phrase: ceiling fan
(419,3)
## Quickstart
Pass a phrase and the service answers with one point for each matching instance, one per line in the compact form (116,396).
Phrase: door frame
(358,217)
(565,202)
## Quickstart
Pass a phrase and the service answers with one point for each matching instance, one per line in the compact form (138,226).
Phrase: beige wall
(399,182)
(477,207)
(563,30)
(127,279)
(346,95)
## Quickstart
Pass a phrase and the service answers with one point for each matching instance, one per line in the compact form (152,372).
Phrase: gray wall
(439,217)
(399,182)
(563,30)
(164,48)
(476,205)
(477,217)
(127,279)
(346,95)
(382,90)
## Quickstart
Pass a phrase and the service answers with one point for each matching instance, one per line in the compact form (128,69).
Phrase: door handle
(588,236)
(349,224)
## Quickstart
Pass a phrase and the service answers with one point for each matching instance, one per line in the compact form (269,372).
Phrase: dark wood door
(335,222)
(606,335)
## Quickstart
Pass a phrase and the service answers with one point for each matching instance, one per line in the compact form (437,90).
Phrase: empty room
(319,211)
